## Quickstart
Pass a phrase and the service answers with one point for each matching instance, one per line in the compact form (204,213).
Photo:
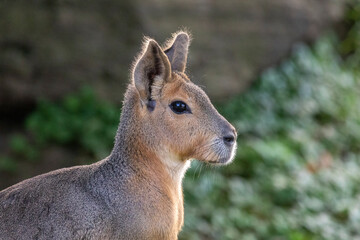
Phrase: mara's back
(136,192)
(56,205)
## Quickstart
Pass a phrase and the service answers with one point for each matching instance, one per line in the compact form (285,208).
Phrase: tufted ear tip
(183,37)
(151,47)
(152,44)
(177,50)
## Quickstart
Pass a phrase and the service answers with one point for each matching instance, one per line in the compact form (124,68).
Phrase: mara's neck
(137,148)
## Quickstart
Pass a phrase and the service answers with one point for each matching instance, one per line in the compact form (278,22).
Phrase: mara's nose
(230,137)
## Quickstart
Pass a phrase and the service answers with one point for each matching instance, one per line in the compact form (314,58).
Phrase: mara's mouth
(216,153)
(222,155)
(221,161)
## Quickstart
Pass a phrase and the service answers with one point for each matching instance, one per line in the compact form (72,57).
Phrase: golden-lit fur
(136,192)
(173,139)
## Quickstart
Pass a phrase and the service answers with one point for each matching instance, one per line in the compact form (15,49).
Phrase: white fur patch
(175,166)
(233,152)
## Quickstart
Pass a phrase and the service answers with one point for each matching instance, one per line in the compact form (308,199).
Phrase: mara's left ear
(177,51)
(151,72)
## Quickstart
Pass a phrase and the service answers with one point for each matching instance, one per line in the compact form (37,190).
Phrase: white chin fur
(224,160)
(232,155)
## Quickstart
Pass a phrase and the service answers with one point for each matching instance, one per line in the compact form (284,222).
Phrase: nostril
(229,139)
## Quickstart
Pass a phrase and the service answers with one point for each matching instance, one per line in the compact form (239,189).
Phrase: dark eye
(179,107)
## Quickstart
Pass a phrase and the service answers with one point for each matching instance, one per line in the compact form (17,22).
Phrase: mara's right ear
(177,51)
(151,72)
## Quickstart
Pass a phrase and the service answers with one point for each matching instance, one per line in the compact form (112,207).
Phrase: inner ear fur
(151,71)
(177,51)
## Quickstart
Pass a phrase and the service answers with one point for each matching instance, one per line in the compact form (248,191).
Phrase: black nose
(229,139)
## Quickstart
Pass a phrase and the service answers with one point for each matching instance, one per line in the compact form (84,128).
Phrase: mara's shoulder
(51,181)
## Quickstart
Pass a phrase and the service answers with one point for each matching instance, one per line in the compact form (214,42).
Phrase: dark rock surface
(235,40)
(51,48)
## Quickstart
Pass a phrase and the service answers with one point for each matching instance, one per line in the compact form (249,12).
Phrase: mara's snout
(226,146)
(222,148)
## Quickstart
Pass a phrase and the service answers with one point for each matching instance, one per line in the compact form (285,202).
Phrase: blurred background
(284,72)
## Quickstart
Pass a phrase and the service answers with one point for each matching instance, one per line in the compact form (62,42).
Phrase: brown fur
(136,192)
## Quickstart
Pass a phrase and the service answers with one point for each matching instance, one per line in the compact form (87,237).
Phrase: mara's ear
(151,72)
(177,51)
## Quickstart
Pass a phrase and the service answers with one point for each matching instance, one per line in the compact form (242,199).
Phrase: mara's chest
(152,214)
(164,217)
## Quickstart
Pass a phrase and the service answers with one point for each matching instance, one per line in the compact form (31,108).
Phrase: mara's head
(177,116)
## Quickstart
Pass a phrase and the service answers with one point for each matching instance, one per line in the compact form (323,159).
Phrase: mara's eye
(179,107)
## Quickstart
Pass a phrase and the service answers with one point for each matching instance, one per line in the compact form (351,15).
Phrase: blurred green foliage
(8,164)
(351,44)
(21,147)
(296,173)
(80,120)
